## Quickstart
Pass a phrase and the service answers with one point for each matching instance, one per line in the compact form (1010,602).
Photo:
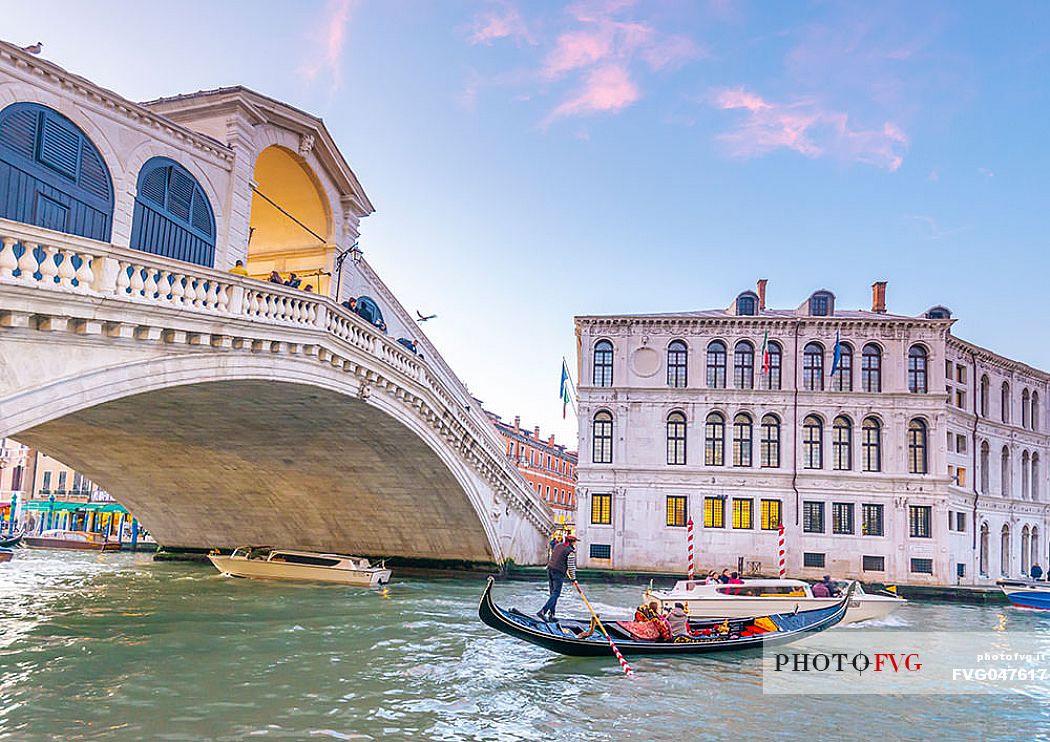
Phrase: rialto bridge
(224,409)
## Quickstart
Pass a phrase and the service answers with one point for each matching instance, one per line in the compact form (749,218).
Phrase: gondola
(574,636)
(10,541)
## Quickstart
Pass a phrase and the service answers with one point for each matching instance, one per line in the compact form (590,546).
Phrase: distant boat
(758,596)
(263,563)
(1026,593)
(6,555)
(7,542)
(81,540)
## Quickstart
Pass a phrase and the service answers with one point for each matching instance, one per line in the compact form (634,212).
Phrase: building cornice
(650,323)
(994,359)
(29,63)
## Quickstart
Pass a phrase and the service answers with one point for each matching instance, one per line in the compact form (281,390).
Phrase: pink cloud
(502,22)
(805,127)
(331,35)
(600,47)
(606,89)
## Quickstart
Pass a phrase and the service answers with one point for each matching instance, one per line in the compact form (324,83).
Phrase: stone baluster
(177,290)
(66,271)
(212,299)
(48,269)
(122,279)
(269,309)
(27,264)
(8,261)
(85,275)
(254,304)
(150,286)
(222,297)
(298,310)
(202,294)
(137,284)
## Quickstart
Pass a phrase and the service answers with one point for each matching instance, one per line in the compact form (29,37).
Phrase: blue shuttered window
(173,217)
(51,175)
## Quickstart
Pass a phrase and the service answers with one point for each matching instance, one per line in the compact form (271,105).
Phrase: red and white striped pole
(780,552)
(690,541)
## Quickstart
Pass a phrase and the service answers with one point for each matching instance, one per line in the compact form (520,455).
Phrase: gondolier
(561,566)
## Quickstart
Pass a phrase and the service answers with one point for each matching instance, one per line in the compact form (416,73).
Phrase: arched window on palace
(716,365)
(1025,474)
(1035,476)
(984,395)
(677,364)
(771,365)
(871,444)
(173,217)
(714,440)
(871,368)
(986,472)
(744,365)
(813,367)
(983,559)
(676,427)
(842,380)
(602,438)
(52,175)
(812,443)
(842,443)
(770,445)
(1026,399)
(742,439)
(603,363)
(1004,402)
(1035,411)
(1004,473)
(917,372)
(917,447)
(1004,551)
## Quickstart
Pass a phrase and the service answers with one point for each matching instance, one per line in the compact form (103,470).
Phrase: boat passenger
(1037,572)
(833,591)
(820,590)
(647,611)
(734,579)
(678,620)
(712,578)
(561,566)
(724,577)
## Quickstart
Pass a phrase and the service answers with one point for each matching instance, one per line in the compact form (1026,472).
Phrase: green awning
(83,507)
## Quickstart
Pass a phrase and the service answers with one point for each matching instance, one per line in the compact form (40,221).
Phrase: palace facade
(547,466)
(891,450)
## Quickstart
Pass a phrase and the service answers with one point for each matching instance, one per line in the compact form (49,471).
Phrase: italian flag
(765,352)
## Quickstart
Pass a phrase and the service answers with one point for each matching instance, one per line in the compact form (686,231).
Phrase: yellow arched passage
(291,225)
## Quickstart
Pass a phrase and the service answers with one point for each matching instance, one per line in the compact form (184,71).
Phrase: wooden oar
(623,663)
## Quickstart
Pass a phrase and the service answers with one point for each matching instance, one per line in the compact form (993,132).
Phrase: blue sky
(530,161)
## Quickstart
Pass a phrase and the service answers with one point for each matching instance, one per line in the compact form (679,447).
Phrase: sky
(533,161)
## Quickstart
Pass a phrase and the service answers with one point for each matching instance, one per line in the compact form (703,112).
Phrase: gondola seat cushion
(643,630)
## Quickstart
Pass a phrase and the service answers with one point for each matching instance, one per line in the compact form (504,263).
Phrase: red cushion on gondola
(645,630)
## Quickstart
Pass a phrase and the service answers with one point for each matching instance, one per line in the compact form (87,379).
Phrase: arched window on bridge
(370,311)
(173,217)
(52,174)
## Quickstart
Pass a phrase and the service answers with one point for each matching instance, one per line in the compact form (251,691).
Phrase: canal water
(116,646)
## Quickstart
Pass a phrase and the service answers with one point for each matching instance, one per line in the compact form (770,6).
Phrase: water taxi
(1026,593)
(263,563)
(763,596)
(56,538)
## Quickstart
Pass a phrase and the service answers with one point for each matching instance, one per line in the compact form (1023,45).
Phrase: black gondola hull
(561,636)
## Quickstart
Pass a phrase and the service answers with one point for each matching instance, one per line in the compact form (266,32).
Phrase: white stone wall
(1010,504)
(640,478)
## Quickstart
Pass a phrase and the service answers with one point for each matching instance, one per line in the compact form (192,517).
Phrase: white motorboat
(761,597)
(283,564)
(1026,593)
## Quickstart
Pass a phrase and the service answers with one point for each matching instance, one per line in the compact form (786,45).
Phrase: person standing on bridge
(560,566)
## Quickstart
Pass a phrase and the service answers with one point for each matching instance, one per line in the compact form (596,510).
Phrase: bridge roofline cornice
(21,60)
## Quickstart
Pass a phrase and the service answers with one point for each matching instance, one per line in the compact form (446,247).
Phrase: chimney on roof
(536,430)
(761,294)
(878,297)
(517,423)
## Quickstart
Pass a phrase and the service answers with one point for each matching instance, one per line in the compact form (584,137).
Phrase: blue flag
(563,392)
(838,355)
